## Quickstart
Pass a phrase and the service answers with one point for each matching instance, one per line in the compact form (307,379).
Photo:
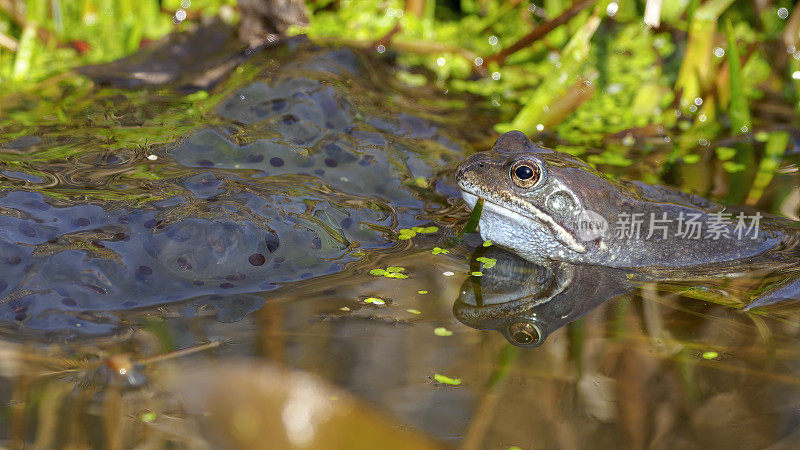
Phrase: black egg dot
(67,301)
(82,221)
(27,230)
(120,237)
(330,162)
(20,317)
(226,285)
(289,119)
(278,104)
(144,270)
(523,172)
(35,204)
(273,242)
(205,163)
(150,223)
(53,241)
(257,259)
(346,222)
(275,161)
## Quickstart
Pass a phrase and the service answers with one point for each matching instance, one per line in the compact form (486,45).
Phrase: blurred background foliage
(580,69)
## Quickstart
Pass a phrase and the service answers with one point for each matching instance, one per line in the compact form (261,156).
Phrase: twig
(8,42)
(385,40)
(538,33)
(652,13)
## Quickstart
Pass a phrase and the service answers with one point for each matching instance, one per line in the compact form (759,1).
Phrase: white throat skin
(535,236)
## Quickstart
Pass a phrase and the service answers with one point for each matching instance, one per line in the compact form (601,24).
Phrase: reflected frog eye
(524,334)
(526,174)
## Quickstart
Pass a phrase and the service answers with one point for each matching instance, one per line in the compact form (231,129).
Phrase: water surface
(247,225)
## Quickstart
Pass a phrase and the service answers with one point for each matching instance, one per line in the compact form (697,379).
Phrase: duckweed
(389,272)
(710,355)
(442,331)
(407,233)
(439,378)
(374,301)
(488,263)
(414,311)
(438,251)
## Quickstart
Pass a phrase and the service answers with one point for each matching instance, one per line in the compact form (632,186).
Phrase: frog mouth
(559,233)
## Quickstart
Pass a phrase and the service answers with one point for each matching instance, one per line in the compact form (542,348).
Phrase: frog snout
(474,165)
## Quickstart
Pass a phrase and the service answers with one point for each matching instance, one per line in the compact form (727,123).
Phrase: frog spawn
(83,258)
(296,183)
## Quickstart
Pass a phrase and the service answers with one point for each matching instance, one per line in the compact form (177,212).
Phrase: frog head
(542,204)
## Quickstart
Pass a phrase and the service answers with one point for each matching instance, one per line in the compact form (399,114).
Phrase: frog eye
(526,174)
(524,334)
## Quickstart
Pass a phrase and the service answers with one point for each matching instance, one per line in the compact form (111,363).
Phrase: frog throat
(561,234)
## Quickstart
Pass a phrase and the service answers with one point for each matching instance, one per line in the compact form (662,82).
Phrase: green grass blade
(739,112)
(474,218)
(773,153)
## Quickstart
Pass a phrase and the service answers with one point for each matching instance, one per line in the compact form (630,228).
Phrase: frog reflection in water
(550,206)
(527,301)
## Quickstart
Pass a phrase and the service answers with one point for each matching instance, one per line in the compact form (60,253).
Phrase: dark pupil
(522,337)
(523,172)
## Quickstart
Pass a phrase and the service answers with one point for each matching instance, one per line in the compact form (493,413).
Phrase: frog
(528,301)
(545,205)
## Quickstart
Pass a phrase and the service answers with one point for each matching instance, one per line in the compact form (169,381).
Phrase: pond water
(161,251)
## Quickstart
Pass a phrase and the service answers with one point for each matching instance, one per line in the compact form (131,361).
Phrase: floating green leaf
(442,331)
(488,263)
(439,378)
(389,272)
(408,233)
